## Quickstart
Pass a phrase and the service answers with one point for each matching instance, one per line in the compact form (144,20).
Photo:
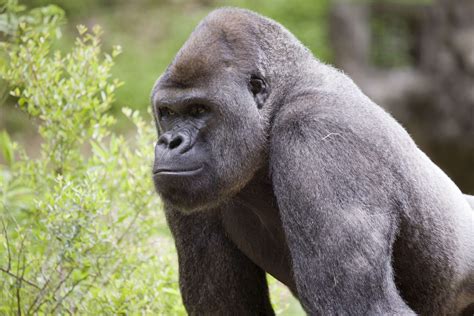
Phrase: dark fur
(320,187)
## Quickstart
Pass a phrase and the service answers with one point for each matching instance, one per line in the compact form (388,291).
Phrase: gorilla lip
(177,172)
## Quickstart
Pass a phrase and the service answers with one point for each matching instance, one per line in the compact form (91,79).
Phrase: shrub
(80,223)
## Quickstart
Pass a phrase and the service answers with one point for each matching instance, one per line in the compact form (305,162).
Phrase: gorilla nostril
(176,142)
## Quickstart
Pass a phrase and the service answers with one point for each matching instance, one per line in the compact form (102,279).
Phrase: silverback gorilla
(270,161)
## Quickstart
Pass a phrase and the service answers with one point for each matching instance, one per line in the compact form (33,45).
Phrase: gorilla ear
(259,90)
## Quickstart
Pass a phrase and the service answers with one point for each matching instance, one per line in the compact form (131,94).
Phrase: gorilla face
(212,136)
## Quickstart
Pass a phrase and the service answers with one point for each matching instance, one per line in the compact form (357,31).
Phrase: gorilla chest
(252,222)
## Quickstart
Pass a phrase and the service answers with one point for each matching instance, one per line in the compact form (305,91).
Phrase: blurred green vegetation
(394,41)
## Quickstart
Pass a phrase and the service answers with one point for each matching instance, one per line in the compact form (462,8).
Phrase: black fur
(270,161)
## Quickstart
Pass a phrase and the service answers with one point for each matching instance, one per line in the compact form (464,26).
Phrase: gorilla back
(270,161)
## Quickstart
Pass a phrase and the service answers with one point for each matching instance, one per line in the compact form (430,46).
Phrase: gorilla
(269,161)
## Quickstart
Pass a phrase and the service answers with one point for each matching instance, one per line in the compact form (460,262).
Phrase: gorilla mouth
(177,172)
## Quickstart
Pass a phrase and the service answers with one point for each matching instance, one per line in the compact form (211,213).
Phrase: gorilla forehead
(226,38)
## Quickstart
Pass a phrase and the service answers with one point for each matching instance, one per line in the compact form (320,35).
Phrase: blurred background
(413,57)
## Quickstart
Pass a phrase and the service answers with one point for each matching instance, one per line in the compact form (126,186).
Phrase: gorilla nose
(174,141)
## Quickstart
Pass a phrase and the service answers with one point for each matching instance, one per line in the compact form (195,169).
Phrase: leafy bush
(80,223)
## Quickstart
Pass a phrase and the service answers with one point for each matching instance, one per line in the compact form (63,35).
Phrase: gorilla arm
(338,224)
(215,277)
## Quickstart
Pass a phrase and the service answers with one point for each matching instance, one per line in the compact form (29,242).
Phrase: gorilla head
(212,107)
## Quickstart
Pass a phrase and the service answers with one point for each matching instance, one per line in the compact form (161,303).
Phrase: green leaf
(82,29)
(7,148)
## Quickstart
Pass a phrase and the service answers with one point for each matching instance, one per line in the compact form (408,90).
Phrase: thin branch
(9,265)
(60,300)
(130,225)
(18,299)
(23,270)
(61,282)
(88,287)
(48,281)
(42,291)
(19,278)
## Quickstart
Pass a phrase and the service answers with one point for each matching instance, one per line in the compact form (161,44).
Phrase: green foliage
(392,41)
(80,221)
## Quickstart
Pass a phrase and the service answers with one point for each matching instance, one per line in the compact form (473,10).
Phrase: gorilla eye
(165,112)
(198,110)
(256,85)
(259,90)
